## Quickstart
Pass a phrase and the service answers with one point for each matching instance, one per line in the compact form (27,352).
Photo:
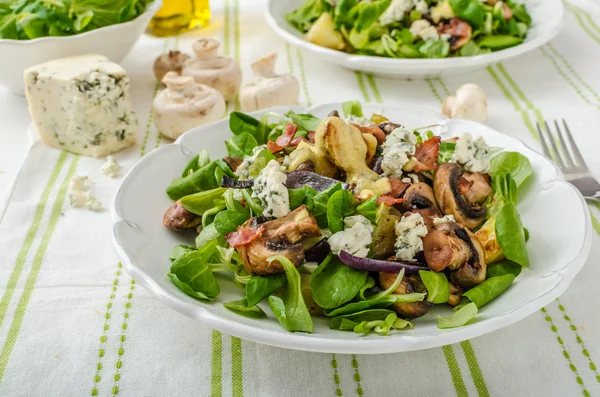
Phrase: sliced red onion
(297,179)
(234,183)
(378,265)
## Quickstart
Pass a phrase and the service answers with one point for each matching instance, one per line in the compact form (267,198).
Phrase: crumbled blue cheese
(362,121)
(81,196)
(472,154)
(397,148)
(409,233)
(81,104)
(444,219)
(110,167)
(395,11)
(270,188)
(421,6)
(423,29)
(243,170)
(355,239)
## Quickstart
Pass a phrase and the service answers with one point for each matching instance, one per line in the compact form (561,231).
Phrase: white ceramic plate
(547,20)
(549,208)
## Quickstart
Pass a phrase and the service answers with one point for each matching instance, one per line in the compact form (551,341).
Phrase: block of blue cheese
(81,105)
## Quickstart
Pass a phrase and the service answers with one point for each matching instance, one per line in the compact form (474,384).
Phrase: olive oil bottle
(178,16)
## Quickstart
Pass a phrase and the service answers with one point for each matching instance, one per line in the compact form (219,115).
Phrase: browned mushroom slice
(408,285)
(280,237)
(418,196)
(453,247)
(460,32)
(455,294)
(479,189)
(233,162)
(178,218)
(388,127)
(450,199)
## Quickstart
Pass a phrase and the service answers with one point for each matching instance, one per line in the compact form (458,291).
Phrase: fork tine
(578,157)
(543,141)
(558,158)
(564,147)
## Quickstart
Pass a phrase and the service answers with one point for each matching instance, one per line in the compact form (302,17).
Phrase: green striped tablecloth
(73,323)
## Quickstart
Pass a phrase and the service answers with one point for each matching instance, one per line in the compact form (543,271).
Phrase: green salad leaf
(334,283)
(446,152)
(369,13)
(339,206)
(240,307)
(438,289)
(192,274)
(180,250)
(290,309)
(469,10)
(341,13)
(510,234)
(490,289)
(228,221)
(512,163)
(435,49)
(202,179)
(199,203)
(261,287)
(458,318)
(319,204)
(499,42)
(357,318)
(303,17)
(502,268)
(241,145)
(352,108)
(304,121)
(355,307)
(368,209)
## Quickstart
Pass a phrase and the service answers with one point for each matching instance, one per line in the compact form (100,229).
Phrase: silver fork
(569,159)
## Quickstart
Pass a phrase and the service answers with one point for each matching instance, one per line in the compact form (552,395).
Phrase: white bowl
(114,42)
(547,20)
(553,211)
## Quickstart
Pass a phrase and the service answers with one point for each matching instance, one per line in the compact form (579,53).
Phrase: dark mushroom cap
(418,196)
(408,285)
(451,201)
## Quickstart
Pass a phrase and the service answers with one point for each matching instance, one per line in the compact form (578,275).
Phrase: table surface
(72,323)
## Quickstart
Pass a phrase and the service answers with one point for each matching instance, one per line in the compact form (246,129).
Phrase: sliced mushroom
(460,32)
(178,218)
(455,294)
(233,162)
(219,72)
(479,189)
(418,196)
(170,62)
(282,236)
(451,201)
(333,113)
(388,127)
(407,286)
(453,247)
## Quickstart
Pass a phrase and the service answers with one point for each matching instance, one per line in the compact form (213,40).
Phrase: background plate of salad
(202,276)
(416,37)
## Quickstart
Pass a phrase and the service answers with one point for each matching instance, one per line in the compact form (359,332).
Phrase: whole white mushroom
(269,89)
(184,104)
(219,72)
(469,103)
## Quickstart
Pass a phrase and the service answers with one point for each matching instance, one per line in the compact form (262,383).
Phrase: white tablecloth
(72,323)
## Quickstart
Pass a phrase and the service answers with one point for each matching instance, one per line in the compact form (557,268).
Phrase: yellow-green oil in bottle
(178,16)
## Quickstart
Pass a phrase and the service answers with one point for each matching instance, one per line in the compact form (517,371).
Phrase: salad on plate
(352,217)
(413,28)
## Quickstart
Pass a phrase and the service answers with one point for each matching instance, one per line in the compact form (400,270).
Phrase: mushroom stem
(265,67)
(205,48)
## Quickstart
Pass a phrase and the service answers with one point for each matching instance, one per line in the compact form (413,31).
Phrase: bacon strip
(397,187)
(427,154)
(244,236)
(464,185)
(296,141)
(373,130)
(389,200)
(284,139)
